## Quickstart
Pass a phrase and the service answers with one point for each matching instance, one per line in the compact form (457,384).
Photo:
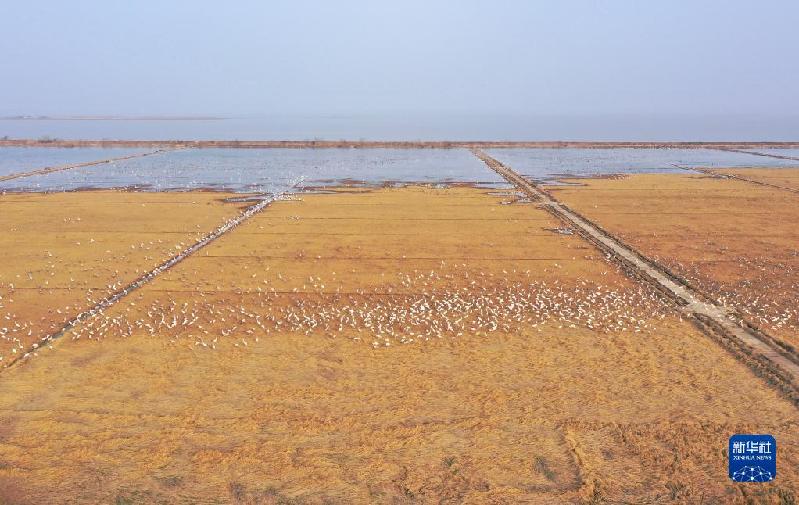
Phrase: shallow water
(276,171)
(24,159)
(268,171)
(548,164)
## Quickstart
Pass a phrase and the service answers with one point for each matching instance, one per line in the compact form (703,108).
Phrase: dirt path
(714,317)
(61,168)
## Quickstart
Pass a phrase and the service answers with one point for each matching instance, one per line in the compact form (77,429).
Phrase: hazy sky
(303,57)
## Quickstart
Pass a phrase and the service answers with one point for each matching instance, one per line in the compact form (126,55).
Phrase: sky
(564,57)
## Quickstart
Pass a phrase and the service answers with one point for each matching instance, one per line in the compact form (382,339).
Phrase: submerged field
(386,341)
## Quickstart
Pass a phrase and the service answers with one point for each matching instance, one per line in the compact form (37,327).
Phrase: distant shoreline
(365,144)
(111,118)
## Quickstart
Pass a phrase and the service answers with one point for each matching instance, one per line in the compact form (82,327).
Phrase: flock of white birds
(764,290)
(419,309)
(414,307)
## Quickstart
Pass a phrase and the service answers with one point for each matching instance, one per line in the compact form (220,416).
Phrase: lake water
(274,171)
(546,164)
(24,159)
(418,126)
(268,171)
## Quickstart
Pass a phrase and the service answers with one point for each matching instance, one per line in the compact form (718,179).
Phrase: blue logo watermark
(753,458)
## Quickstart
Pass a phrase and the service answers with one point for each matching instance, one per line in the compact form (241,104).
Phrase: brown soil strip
(61,168)
(391,144)
(787,366)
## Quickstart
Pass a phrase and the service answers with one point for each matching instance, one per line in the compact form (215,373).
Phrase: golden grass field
(63,250)
(786,178)
(397,345)
(736,241)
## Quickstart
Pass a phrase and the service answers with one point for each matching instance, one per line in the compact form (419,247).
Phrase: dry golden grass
(63,250)
(553,413)
(784,177)
(734,240)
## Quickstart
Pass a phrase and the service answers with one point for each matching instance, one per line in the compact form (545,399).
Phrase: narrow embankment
(757,153)
(778,365)
(61,168)
(121,293)
(711,172)
(714,173)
